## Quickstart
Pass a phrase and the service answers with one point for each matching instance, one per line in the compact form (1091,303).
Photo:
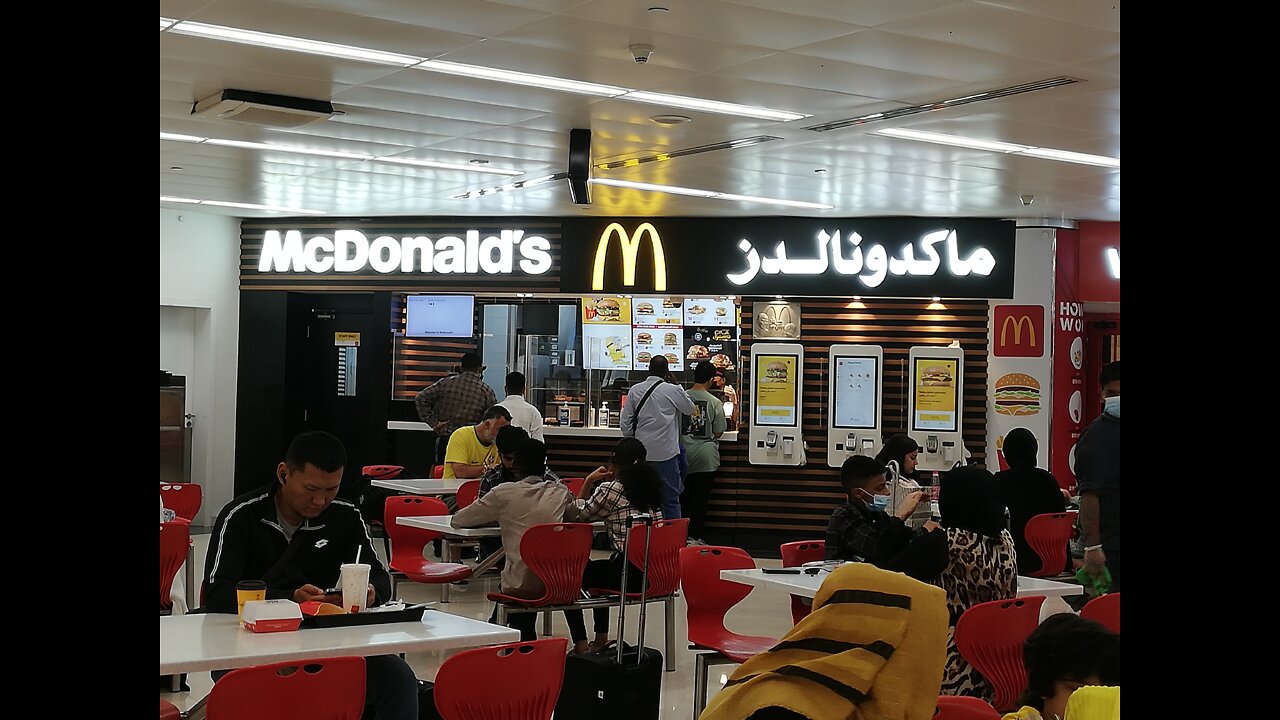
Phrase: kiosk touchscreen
(935,377)
(856,382)
(776,372)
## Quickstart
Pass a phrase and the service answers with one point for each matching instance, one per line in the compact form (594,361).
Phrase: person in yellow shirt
(1064,654)
(471,449)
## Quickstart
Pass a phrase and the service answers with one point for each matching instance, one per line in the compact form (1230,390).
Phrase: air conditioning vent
(255,108)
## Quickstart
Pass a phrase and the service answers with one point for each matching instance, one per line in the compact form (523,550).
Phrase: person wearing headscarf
(1027,491)
(980,564)
(872,649)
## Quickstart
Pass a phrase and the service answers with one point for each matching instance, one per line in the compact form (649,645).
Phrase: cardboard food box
(264,616)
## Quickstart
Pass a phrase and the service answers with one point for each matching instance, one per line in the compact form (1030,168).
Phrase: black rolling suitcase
(619,684)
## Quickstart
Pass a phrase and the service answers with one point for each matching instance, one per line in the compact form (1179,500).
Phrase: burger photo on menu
(1017,394)
(936,375)
(722,311)
(698,352)
(672,359)
(697,310)
(644,337)
(670,339)
(608,310)
(644,308)
(722,361)
(643,357)
(669,302)
(775,372)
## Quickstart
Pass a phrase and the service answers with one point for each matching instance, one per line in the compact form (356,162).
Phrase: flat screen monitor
(439,316)
(854,382)
(936,405)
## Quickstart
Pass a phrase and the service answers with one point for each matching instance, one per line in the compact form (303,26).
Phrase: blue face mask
(877,502)
(1111,406)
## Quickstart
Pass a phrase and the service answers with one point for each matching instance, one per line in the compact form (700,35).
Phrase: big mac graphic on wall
(1016,394)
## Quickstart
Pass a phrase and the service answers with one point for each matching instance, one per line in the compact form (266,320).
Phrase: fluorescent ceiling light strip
(695,192)
(166,22)
(1113,261)
(955,140)
(1073,157)
(774,201)
(175,137)
(713,106)
(341,154)
(244,206)
(168,199)
(447,166)
(284,42)
(336,154)
(520,78)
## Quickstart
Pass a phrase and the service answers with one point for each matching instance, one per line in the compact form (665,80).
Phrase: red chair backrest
(798,553)
(575,484)
(1048,534)
(437,471)
(669,536)
(1104,609)
(175,537)
(516,681)
(169,711)
(707,597)
(990,635)
(957,707)
(182,498)
(467,493)
(557,553)
(382,472)
(331,688)
(405,540)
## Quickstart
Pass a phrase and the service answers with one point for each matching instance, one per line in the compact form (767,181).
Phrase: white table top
(550,430)
(421,486)
(444,524)
(806,585)
(190,643)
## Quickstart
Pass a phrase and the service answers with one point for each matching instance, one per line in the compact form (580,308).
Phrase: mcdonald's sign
(630,248)
(1018,331)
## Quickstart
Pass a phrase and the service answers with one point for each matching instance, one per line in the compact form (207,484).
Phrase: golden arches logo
(1017,330)
(630,247)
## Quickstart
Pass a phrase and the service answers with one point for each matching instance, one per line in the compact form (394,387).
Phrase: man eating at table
(293,535)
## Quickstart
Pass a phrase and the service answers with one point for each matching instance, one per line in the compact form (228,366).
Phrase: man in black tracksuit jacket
(298,515)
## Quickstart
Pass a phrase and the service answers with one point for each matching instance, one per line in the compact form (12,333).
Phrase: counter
(551,430)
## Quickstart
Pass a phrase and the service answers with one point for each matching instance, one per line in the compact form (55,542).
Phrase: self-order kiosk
(777,374)
(935,378)
(855,380)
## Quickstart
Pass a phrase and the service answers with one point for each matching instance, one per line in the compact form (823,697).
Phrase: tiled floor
(763,612)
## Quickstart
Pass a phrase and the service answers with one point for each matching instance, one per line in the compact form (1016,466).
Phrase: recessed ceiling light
(659,9)
(671,119)
(176,168)
(820,170)
(478,161)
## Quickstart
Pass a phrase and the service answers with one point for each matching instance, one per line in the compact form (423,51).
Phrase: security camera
(1027,199)
(640,53)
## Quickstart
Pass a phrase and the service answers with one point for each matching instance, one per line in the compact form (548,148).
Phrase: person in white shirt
(523,415)
(653,415)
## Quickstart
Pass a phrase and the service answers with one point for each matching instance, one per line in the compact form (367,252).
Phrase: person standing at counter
(455,401)
(703,429)
(652,416)
(472,449)
(523,415)
(1098,472)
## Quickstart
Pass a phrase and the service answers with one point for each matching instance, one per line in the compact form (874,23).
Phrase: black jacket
(1027,492)
(247,541)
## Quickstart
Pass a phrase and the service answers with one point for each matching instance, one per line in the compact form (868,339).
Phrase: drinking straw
(358,549)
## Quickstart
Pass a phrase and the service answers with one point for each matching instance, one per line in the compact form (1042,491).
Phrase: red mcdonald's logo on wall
(1019,331)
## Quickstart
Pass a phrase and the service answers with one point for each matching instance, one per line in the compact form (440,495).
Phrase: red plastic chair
(175,538)
(381,472)
(467,493)
(169,711)
(1048,534)
(990,636)
(795,554)
(182,498)
(437,471)
(708,599)
(331,688)
(557,553)
(575,484)
(408,543)
(516,681)
(1104,609)
(954,707)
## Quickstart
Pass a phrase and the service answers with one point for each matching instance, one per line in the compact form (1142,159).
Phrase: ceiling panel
(867,13)
(836,76)
(1103,14)
(479,18)
(919,56)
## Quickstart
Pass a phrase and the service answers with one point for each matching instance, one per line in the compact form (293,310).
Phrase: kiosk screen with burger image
(936,403)
(775,398)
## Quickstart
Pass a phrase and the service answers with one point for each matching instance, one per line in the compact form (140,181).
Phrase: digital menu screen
(854,382)
(657,311)
(664,340)
(933,387)
(710,311)
(776,378)
(716,345)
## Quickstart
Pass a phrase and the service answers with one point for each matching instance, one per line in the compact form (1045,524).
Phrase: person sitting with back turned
(1063,654)
(508,440)
(293,535)
(861,530)
(652,415)
(455,401)
(1026,491)
(523,415)
(515,507)
(471,450)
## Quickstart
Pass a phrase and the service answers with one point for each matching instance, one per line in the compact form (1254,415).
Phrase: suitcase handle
(644,582)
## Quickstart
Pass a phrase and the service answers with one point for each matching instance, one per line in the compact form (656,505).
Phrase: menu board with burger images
(606,333)
(665,340)
(658,311)
(710,311)
(936,405)
(775,401)
(716,345)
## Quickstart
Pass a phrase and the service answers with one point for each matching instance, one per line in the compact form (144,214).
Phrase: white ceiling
(832,59)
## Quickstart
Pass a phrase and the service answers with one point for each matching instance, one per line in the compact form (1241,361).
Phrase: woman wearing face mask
(899,454)
(863,529)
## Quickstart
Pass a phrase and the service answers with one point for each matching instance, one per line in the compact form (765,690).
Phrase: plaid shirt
(495,476)
(859,533)
(609,504)
(458,400)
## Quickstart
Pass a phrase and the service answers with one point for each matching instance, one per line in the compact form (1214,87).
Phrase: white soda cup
(355,586)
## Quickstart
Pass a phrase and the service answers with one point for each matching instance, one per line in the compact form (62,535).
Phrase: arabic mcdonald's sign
(795,256)
(630,248)
(1019,331)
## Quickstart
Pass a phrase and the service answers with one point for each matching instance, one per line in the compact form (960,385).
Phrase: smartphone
(780,571)
(333,591)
